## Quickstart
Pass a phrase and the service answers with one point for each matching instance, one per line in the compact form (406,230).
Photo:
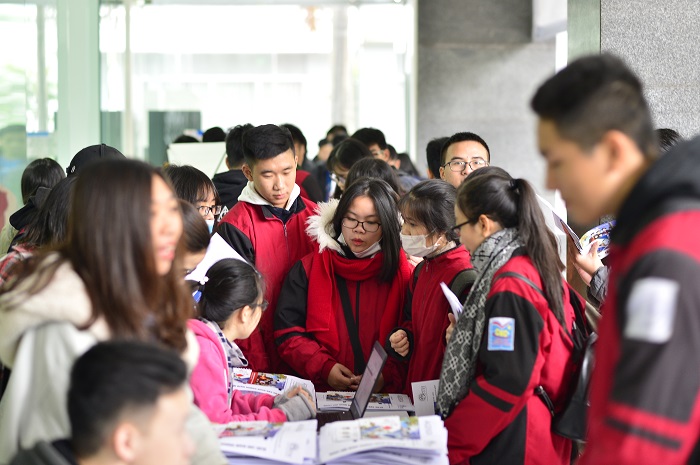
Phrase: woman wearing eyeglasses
(230,306)
(509,355)
(337,302)
(195,187)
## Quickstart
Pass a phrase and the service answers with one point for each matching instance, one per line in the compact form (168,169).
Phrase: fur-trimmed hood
(320,227)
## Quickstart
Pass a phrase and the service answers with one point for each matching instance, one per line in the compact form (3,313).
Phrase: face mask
(371,250)
(415,245)
(210,225)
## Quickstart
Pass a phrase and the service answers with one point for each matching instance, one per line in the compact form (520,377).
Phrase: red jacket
(303,348)
(645,390)
(425,318)
(501,420)
(273,247)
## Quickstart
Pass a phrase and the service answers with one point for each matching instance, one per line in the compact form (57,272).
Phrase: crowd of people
(110,356)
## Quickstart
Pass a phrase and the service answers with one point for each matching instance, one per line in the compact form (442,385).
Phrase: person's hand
(586,265)
(294,392)
(341,378)
(380,383)
(399,342)
(451,328)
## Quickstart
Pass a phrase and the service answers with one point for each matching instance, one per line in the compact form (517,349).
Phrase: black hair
(491,191)
(184,139)
(231,284)
(215,134)
(374,168)
(371,136)
(347,153)
(116,379)
(393,154)
(433,155)
(297,135)
(337,130)
(406,165)
(461,137)
(190,184)
(384,199)
(668,138)
(234,145)
(340,138)
(594,95)
(265,142)
(50,226)
(195,232)
(43,172)
(432,204)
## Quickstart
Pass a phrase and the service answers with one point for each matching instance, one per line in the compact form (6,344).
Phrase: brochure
(455,305)
(247,380)
(384,440)
(600,233)
(269,443)
(425,396)
(341,400)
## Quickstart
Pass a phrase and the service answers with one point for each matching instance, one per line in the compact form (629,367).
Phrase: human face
(357,238)
(209,202)
(379,153)
(340,175)
(191,259)
(413,227)
(274,178)
(165,439)
(581,177)
(467,151)
(166,224)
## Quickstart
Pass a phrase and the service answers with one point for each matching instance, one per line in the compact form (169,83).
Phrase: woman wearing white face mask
(335,303)
(428,213)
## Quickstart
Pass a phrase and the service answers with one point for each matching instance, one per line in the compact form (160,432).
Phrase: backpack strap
(351,324)
(461,281)
(416,271)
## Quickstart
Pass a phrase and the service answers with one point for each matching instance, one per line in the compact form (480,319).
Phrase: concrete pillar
(659,41)
(477,70)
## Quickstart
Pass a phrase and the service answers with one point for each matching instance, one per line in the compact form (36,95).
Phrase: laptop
(373,369)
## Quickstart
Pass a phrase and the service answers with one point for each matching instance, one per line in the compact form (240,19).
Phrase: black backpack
(571,421)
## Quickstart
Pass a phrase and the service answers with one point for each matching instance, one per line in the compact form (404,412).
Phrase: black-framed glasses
(458,227)
(263,305)
(204,210)
(369,226)
(340,180)
(460,165)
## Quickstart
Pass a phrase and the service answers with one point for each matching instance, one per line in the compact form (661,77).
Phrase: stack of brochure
(268,383)
(341,400)
(260,442)
(394,440)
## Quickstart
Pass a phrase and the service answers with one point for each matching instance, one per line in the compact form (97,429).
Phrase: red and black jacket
(273,246)
(645,403)
(502,420)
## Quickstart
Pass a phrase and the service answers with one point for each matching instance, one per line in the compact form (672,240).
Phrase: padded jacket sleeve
(238,240)
(296,346)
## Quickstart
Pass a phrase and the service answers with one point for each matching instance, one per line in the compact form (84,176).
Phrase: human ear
(247,172)
(126,440)
(617,148)
(442,173)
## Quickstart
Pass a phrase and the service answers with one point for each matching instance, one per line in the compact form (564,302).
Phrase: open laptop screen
(369,380)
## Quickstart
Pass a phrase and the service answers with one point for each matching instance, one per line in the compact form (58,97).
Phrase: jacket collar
(250,195)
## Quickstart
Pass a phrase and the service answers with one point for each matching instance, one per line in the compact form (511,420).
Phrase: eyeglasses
(263,305)
(205,210)
(369,226)
(340,180)
(458,228)
(458,165)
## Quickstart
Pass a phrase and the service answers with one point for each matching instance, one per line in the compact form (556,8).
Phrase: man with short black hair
(461,154)
(376,143)
(268,227)
(230,183)
(596,134)
(433,156)
(127,404)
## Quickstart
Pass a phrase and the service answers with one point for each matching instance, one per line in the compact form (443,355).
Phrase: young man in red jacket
(268,227)
(595,132)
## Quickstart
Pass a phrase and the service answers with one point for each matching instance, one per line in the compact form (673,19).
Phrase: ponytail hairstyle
(491,191)
(432,204)
(384,199)
(231,284)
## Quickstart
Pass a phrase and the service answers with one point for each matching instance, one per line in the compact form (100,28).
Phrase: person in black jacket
(230,183)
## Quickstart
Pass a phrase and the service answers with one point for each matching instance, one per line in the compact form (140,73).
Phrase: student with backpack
(427,232)
(510,352)
(230,307)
